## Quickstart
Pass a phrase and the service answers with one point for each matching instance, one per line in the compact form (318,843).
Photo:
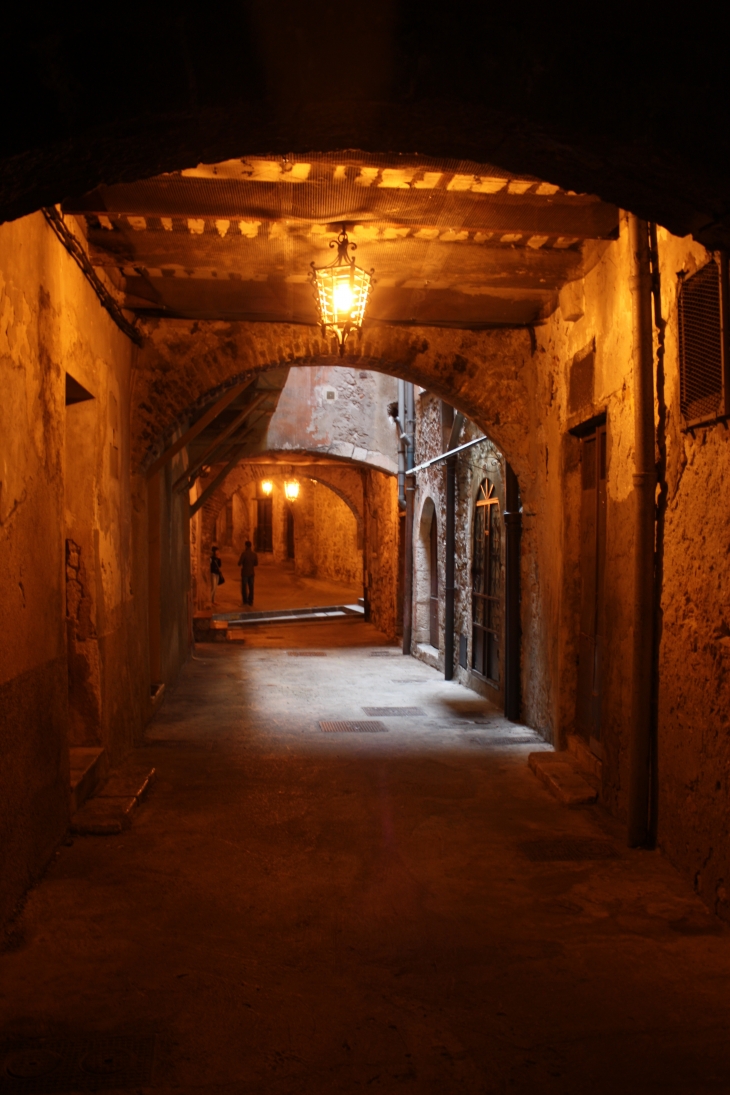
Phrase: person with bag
(216,574)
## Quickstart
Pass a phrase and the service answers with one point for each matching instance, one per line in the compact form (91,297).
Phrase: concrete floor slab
(295,911)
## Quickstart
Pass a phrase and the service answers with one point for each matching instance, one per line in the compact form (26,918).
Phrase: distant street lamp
(291,490)
(341,290)
(266,487)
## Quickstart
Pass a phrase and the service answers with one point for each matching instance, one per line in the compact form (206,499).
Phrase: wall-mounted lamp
(341,290)
(266,487)
(291,490)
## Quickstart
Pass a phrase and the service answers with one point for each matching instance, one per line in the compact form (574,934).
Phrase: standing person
(216,576)
(249,559)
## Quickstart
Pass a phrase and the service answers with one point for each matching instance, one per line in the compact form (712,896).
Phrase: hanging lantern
(291,490)
(341,290)
(266,487)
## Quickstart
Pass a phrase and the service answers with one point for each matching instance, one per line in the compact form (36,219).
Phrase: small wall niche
(75,392)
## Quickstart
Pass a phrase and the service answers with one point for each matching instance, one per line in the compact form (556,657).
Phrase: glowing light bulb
(343,297)
(291,489)
(267,486)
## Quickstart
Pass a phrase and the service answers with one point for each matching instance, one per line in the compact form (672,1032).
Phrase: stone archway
(491,376)
(422,572)
(649,136)
(499,378)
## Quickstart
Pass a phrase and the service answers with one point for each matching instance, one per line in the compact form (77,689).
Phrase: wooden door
(592,567)
(289,532)
(434,604)
(264,536)
(486,600)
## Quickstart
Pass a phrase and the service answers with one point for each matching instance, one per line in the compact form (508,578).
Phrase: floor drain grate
(353,727)
(556,851)
(44,1066)
(504,740)
(384,712)
(307,653)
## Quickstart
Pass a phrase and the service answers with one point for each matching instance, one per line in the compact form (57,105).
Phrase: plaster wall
(72,597)
(338,411)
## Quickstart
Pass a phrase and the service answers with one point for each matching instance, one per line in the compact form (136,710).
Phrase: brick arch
(491,376)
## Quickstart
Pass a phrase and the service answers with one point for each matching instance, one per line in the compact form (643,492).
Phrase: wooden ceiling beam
(197,427)
(191,474)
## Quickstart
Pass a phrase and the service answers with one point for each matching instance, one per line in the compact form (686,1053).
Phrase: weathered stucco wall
(338,411)
(70,546)
(693,732)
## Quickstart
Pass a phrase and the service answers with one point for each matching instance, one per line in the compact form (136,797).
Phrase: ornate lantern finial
(341,290)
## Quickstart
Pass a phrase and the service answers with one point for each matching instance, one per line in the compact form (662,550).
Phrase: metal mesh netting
(700,342)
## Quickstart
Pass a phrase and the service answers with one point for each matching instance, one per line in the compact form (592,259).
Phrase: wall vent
(703,332)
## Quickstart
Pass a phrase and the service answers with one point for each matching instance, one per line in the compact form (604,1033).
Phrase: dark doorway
(592,566)
(434,603)
(486,601)
(264,535)
(289,533)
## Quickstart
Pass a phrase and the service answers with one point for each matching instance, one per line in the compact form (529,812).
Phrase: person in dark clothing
(216,577)
(249,559)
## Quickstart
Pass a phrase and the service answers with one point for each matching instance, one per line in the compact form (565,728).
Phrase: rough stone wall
(472,467)
(381,550)
(72,611)
(337,554)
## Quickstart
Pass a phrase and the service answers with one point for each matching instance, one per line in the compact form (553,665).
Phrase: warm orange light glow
(267,486)
(341,290)
(291,490)
(343,299)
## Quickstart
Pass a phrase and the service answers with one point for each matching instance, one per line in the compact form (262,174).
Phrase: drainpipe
(513,532)
(407,408)
(644,516)
(450,550)
(400,419)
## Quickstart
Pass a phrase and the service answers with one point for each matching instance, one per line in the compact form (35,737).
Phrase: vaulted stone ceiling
(453,243)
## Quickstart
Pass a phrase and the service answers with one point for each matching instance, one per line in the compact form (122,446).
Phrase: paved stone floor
(301,912)
(278,587)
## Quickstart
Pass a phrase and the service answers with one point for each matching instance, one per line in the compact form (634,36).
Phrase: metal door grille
(702,344)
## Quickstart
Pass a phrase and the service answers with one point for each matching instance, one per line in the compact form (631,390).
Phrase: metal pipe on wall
(513,532)
(406,406)
(408,567)
(449,568)
(640,282)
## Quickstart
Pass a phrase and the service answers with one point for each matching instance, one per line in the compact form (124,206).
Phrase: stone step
(560,774)
(590,765)
(88,766)
(110,811)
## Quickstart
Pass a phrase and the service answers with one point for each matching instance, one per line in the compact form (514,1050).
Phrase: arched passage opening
(505,386)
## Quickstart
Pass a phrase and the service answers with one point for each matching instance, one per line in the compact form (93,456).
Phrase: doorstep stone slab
(103,817)
(562,778)
(128,784)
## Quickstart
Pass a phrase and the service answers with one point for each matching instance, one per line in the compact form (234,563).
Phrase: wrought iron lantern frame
(344,279)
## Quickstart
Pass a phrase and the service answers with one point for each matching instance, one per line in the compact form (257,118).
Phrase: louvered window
(703,331)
